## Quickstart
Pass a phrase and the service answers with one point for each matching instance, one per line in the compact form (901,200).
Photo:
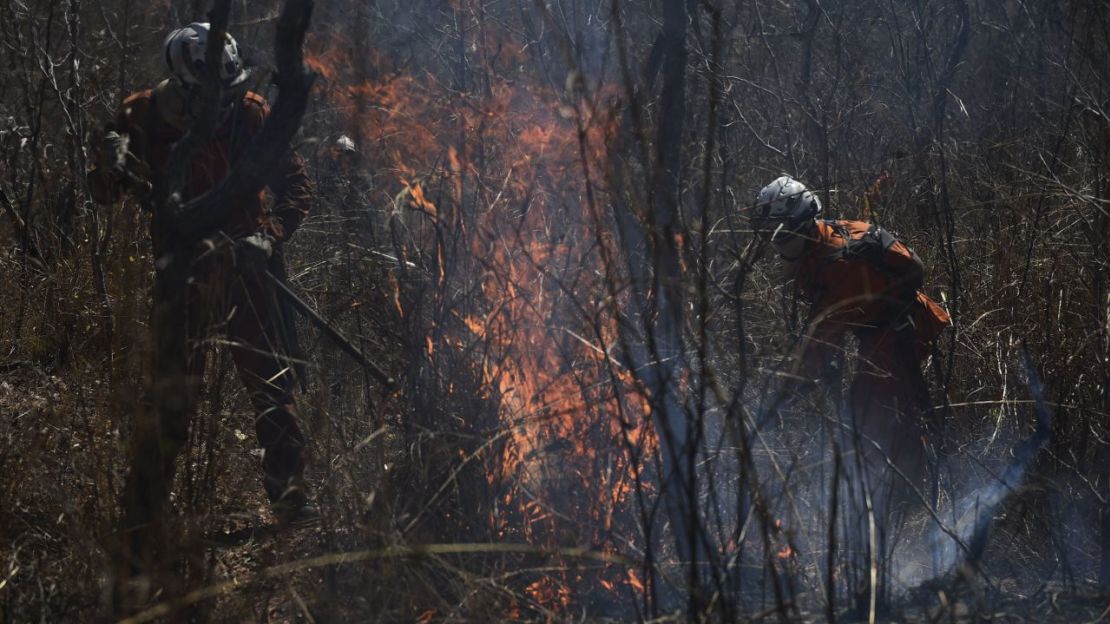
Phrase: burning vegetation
(537,218)
(495,199)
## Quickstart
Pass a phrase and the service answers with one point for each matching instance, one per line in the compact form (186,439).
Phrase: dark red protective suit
(873,291)
(221,301)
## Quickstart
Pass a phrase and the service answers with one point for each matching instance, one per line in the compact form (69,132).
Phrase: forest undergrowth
(541,233)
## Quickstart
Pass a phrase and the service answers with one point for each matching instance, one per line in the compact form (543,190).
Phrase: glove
(252,254)
(111,151)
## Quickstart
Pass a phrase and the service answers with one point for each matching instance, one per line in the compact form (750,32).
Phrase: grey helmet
(344,153)
(344,143)
(784,204)
(183,53)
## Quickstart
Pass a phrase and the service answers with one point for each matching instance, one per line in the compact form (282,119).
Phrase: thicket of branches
(543,236)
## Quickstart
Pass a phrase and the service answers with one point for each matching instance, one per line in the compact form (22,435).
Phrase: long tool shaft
(331,332)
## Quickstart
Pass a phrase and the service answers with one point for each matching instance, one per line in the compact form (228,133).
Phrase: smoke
(964,540)
(798,471)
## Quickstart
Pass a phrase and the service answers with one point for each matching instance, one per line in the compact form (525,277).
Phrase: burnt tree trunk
(665,334)
(649,240)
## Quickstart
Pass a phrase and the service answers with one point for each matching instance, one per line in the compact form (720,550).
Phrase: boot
(290,504)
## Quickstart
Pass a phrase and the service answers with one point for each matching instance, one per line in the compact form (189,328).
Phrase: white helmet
(784,202)
(183,52)
(345,144)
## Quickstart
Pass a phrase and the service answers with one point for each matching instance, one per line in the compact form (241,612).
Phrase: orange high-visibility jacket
(862,288)
(290,185)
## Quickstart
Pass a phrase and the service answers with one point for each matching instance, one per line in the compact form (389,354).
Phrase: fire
(548,592)
(787,551)
(635,582)
(395,295)
(502,171)
(478,328)
(419,201)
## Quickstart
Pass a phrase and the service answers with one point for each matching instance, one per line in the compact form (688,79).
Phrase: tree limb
(198,217)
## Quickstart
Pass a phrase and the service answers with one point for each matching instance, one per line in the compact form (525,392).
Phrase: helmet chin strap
(775,234)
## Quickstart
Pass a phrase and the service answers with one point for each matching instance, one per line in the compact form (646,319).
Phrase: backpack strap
(842,231)
(871,247)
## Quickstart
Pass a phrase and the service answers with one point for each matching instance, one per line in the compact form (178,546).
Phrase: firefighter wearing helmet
(859,279)
(227,294)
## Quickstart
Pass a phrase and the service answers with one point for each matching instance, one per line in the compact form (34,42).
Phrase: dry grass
(478,254)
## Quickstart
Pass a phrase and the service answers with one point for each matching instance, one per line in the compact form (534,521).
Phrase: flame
(635,582)
(419,201)
(395,295)
(506,168)
(322,62)
(549,592)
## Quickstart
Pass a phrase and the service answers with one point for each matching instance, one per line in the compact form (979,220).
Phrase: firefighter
(227,294)
(858,279)
(343,180)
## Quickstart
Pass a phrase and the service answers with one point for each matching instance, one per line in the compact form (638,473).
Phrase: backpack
(879,247)
(889,255)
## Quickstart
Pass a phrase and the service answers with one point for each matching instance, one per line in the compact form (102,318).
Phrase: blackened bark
(665,335)
(650,248)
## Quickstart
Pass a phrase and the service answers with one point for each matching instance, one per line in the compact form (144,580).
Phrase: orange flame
(506,168)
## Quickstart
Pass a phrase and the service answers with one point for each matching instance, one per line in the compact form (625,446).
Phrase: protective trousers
(218,302)
(222,305)
(244,310)
(889,397)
